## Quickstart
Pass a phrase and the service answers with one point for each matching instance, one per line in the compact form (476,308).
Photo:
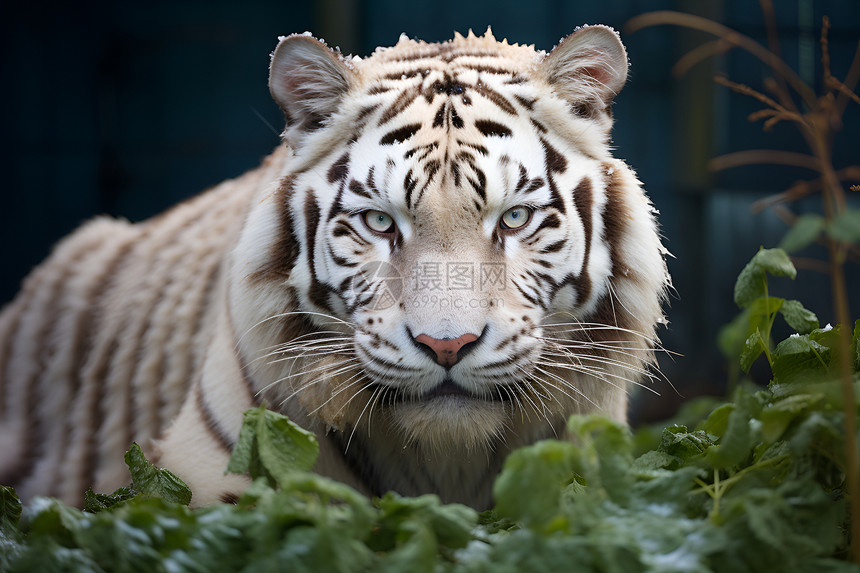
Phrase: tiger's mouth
(448,388)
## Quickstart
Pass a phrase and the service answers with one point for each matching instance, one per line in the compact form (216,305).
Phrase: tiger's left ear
(588,67)
(308,81)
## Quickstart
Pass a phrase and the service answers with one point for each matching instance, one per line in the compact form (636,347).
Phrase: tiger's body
(442,264)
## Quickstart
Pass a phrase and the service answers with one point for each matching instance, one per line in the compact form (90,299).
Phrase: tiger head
(452,255)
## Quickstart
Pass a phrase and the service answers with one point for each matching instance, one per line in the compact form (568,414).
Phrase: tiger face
(452,258)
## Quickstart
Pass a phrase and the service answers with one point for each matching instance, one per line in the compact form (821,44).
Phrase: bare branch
(850,81)
(804,188)
(779,86)
(746,90)
(764,156)
(699,54)
(843,89)
(669,17)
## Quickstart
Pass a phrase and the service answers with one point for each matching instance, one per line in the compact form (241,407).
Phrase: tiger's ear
(589,67)
(308,81)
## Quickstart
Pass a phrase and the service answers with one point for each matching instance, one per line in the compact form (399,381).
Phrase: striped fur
(442,263)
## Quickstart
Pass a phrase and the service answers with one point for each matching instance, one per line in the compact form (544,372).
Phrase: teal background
(127,108)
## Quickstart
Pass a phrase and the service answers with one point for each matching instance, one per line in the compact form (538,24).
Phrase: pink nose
(446,349)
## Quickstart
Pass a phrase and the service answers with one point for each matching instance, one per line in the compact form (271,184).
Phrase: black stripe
(526,295)
(556,246)
(486,69)
(523,180)
(211,422)
(6,381)
(496,98)
(615,215)
(489,128)
(403,101)
(430,169)
(479,184)
(538,125)
(456,120)
(359,189)
(400,134)
(405,74)
(340,261)
(439,118)
(206,283)
(551,221)
(8,337)
(480,149)
(364,112)
(526,102)
(343,229)
(318,291)
(287,323)
(284,249)
(83,473)
(555,161)
(409,186)
(34,432)
(583,200)
(339,169)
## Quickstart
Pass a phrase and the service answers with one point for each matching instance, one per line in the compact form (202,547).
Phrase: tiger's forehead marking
(447,100)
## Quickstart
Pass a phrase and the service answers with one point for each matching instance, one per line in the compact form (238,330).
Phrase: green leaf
(855,342)
(777,416)
(799,318)
(10,508)
(798,359)
(732,336)
(753,348)
(677,441)
(752,280)
(718,421)
(803,233)
(451,525)
(543,470)
(735,444)
(650,462)
(272,446)
(153,481)
(605,454)
(96,502)
(846,226)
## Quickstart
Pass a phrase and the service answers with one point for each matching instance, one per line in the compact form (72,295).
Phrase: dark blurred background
(126,108)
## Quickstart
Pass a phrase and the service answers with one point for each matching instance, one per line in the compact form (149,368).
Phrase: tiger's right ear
(308,81)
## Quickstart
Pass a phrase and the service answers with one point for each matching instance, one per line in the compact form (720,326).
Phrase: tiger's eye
(515,218)
(378,222)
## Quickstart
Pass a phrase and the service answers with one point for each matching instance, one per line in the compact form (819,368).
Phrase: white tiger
(442,264)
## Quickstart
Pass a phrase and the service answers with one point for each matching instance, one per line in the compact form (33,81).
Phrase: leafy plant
(756,485)
(817,117)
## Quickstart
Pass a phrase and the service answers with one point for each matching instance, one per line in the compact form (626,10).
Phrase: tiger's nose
(446,351)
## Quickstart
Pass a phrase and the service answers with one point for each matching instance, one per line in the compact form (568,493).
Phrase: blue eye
(378,222)
(515,218)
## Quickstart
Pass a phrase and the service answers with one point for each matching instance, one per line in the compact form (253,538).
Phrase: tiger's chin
(452,424)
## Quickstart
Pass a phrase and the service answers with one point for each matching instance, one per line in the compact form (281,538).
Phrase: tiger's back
(321,283)
(101,344)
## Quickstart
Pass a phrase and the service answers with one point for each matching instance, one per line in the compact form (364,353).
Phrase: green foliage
(754,484)
(808,228)
(272,447)
(748,336)
(152,481)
